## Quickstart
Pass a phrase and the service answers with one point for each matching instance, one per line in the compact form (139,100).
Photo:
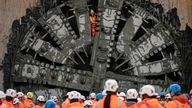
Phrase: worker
(29,101)
(40,102)
(111,100)
(92,97)
(99,96)
(168,97)
(178,99)
(66,101)
(10,95)
(55,99)
(74,97)
(82,99)
(190,94)
(16,103)
(188,98)
(88,104)
(21,98)
(122,96)
(148,95)
(50,104)
(92,19)
(2,98)
(131,98)
(162,99)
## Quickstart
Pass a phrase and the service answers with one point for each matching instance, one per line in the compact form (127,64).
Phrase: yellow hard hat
(30,95)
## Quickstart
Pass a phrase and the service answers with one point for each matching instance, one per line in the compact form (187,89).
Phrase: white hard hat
(2,94)
(41,98)
(132,94)
(168,96)
(111,85)
(74,95)
(10,92)
(68,93)
(16,101)
(88,103)
(54,98)
(20,94)
(121,99)
(121,94)
(82,97)
(92,95)
(147,89)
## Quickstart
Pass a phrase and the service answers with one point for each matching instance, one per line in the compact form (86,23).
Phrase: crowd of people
(146,97)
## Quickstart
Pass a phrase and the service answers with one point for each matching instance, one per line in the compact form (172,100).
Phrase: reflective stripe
(119,104)
(98,104)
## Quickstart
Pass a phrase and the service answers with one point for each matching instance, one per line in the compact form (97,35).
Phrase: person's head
(92,96)
(2,96)
(74,96)
(20,96)
(132,94)
(16,101)
(174,89)
(50,104)
(147,91)
(82,99)
(30,95)
(10,94)
(111,85)
(190,93)
(54,98)
(92,12)
(41,100)
(123,95)
(88,104)
(162,96)
(187,96)
(99,96)
(168,97)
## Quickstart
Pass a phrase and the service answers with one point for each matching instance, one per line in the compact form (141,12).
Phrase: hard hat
(2,94)
(41,98)
(168,96)
(162,94)
(92,95)
(20,94)
(99,96)
(82,97)
(30,95)
(88,103)
(187,96)
(16,101)
(74,95)
(174,88)
(68,93)
(111,85)
(10,92)
(54,98)
(132,94)
(121,94)
(147,89)
(50,104)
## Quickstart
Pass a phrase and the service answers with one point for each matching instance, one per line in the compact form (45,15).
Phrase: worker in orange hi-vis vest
(74,97)
(92,19)
(21,98)
(149,100)
(178,99)
(40,102)
(131,99)
(66,101)
(111,100)
(29,101)
(55,99)
(16,103)
(10,95)
(2,98)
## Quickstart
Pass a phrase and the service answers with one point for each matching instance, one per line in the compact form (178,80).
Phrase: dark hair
(8,98)
(108,100)
(74,100)
(134,100)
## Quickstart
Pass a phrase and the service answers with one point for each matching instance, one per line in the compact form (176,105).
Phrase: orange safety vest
(56,105)
(75,105)
(8,104)
(93,25)
(65,103)
(29,103)
(176,104)
(39,106)
(135,105)
(114,103)
(150,103)
(2,105)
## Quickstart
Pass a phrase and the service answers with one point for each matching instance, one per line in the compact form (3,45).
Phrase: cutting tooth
(156,51)
(159,48)
(164,46)
(151,54)
(147,56)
